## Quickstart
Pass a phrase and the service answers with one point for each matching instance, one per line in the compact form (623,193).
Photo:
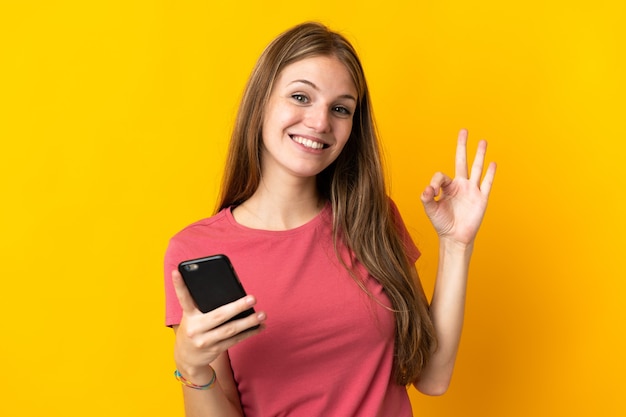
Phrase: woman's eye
(341,110)
(300,97)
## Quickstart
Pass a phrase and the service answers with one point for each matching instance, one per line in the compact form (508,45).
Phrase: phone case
(213,282)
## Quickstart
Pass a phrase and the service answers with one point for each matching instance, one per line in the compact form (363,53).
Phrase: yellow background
(114,120)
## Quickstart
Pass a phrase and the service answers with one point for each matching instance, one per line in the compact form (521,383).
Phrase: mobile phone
(213,282)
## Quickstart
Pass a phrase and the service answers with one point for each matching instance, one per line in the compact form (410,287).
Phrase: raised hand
(456,207)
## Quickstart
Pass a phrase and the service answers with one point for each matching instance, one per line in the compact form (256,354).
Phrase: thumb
(428,199)
(182,293)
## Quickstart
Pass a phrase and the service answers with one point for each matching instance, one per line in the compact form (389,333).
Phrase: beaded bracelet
(186,383)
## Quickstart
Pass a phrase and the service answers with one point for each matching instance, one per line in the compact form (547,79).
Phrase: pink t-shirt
(328,348)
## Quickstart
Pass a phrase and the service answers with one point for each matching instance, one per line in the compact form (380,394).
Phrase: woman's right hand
(201,338)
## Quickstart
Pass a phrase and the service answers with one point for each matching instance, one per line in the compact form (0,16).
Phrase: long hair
(354,184)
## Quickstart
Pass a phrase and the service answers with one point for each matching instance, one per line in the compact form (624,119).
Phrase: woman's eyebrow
(315,87)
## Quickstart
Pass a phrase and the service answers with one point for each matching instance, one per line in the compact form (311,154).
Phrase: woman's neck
(279,208)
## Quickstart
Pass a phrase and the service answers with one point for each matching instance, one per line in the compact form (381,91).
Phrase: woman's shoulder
(210,224)
(403,230)
(394,211)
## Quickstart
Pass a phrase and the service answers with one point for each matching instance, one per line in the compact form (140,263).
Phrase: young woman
(322,251)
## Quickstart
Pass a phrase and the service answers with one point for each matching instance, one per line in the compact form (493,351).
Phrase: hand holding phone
(203,285)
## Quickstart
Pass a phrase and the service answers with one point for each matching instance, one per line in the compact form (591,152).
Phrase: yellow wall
(113,124)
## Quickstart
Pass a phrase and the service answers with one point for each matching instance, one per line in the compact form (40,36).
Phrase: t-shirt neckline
(320,217)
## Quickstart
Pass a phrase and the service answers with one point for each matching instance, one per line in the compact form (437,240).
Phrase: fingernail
(250,300)
(261,316)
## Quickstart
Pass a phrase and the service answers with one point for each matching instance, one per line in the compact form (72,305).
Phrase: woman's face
(308,118)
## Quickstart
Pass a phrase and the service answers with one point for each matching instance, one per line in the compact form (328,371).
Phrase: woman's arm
(221,400)
(447,311)
(201,349)
(456,209)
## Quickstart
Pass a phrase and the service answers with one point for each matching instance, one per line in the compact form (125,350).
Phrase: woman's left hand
(456,206)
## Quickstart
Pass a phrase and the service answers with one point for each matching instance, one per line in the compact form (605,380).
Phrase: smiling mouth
(308,143)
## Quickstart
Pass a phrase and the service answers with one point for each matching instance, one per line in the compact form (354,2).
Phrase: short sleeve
(173,310)
(411,249)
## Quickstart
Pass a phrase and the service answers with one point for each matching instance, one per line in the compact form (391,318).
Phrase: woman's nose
(318,119)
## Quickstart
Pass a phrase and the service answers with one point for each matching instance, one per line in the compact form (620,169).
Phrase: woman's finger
(461,155)
(205,323)
(235,329)
(479,161)
(439,181)
(429,196)
(182,293)
(485,186)
(224,335)
(226,344)
(226,312)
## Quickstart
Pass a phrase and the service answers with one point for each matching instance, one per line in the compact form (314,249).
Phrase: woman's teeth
(307,143)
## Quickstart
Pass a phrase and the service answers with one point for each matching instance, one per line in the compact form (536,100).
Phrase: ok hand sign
(456,206)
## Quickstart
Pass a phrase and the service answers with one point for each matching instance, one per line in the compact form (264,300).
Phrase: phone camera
(191,267)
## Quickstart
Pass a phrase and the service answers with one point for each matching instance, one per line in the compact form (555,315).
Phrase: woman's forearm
(212,402)
(447,310)
(221,400)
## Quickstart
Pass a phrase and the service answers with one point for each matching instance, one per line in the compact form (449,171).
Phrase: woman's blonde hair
(354,184)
